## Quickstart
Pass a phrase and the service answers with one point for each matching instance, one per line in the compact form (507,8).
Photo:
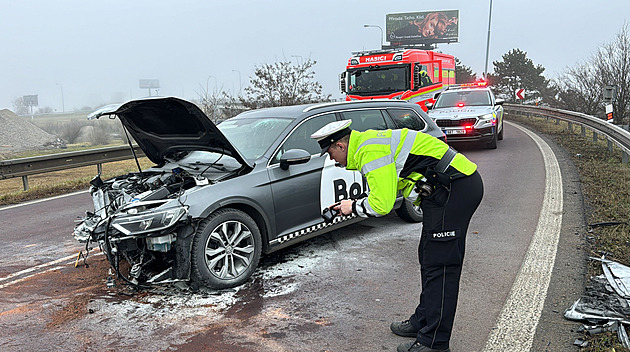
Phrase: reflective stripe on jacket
(392,161)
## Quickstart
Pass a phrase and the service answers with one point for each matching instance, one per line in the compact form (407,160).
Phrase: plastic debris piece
(618,275)
(580,343)
(623,336)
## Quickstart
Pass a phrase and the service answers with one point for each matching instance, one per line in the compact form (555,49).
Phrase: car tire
(493,143)
(409,212)
(500,135)
(226,249)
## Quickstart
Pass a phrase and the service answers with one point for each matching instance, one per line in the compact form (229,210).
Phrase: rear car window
(405,118)
(363,120)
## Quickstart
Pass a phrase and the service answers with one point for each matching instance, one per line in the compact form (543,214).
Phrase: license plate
(455,131)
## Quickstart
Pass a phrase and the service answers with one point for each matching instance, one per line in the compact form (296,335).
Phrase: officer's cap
(331,133)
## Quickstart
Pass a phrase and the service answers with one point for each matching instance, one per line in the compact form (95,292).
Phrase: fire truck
(406,74)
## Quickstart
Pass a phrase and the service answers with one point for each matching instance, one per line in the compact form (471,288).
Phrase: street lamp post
(485,72)
(379,27)
(240,85)
(63,105)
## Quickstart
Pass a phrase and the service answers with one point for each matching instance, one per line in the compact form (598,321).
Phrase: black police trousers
(447,214)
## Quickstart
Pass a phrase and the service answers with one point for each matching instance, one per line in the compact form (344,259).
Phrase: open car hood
(165,125)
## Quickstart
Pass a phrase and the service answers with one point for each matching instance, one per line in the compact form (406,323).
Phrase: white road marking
(41,200)
(516,324)
(71,259)
(29,276)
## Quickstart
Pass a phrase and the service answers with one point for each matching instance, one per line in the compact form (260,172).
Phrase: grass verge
(61,182)
(606,188)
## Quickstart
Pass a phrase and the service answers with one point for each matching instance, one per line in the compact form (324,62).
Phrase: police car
(218,197)
(469,113)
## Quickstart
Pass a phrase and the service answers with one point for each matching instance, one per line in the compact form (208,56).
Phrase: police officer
(414,163)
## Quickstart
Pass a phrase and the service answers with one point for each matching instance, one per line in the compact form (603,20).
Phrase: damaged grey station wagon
(220,196)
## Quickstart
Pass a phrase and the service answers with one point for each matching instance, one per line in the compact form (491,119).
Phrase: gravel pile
(17,134)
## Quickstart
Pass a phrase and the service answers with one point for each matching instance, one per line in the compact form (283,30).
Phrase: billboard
(30,100)
(428,27)
(149,83)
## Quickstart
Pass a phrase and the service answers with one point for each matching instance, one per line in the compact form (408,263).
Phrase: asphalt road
(337,292)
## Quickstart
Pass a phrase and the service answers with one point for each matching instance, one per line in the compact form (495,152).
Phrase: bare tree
(612,66)
(581,87)
(283,83)
(20,106)
(211,102)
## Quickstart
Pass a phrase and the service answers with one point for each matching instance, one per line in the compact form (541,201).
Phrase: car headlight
(487,119)
(148,222)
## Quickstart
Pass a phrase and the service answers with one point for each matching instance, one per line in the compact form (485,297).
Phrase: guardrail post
(570,127)
(610,146)
(595,136)
(25,182)
(624,157)
(583,131)
(557,121)
(99,169)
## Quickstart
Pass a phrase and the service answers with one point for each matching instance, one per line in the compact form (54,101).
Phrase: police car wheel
(409,212)
(226,249)
(493,143)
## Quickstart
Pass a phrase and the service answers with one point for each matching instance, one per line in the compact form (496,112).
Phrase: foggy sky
(95,52)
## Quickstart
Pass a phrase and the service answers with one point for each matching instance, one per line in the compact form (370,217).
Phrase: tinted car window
(365,120)
(407,119)
(300,137)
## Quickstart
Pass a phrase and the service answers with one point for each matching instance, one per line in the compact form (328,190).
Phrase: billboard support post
(150,84)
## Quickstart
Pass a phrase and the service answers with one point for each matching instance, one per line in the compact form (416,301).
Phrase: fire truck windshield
(384,80)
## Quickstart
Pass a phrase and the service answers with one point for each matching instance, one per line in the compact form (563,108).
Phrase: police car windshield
(463,98)
(252,137)
(375,81)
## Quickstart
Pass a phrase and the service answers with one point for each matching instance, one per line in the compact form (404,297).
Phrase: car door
(302,191)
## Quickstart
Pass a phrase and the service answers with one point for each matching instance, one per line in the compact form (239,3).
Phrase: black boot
(417,347)
(404,328)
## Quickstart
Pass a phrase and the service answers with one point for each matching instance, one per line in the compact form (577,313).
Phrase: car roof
(295,111)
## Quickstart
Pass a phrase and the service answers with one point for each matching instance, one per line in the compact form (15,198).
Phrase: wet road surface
(336,292)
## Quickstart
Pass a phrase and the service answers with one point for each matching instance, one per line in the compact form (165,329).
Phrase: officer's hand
(345,207)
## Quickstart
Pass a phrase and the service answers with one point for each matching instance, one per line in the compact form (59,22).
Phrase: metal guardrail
(24,167)
(613,133)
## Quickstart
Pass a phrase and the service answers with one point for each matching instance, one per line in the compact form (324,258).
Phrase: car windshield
(252,137)
(463,98)
(384,80)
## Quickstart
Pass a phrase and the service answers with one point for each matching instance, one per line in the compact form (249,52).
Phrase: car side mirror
(499,102)
(294,157)
(429,105)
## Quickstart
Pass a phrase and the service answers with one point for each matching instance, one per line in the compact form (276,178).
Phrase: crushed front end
(141,225)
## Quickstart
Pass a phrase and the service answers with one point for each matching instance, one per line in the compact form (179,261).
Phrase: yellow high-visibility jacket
(392,161)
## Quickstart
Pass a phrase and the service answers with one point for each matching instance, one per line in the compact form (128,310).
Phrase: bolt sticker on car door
(337,184)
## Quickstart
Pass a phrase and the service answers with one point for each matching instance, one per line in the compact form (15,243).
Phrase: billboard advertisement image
(423,27)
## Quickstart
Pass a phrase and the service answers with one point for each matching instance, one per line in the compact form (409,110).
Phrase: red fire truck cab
(406,74)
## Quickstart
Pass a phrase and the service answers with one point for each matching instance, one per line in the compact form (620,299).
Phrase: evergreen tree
(517,71)
(463,73)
